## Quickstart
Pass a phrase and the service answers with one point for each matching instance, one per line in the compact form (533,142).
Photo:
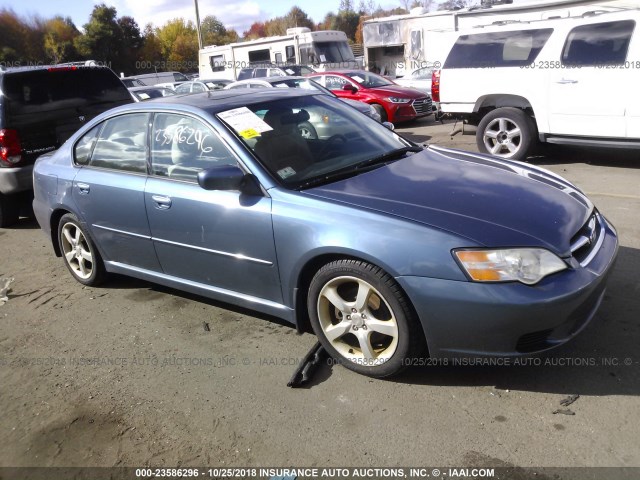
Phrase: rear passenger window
(182,146)
(335,83)
(598,44)
(122,144)
(85,145)
(498,49)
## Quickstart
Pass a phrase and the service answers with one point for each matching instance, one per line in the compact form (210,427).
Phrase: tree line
(120,43)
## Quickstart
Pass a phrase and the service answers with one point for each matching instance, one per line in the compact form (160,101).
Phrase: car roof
(147,87)
(45,68)
(272,79)
(339,72)
(221,100)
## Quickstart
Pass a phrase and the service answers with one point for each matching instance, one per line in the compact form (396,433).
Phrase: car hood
(393,90)
(492,202)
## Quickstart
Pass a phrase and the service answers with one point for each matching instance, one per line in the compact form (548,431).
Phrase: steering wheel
(331,143)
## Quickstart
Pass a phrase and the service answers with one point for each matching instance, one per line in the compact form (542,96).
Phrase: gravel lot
(127,375)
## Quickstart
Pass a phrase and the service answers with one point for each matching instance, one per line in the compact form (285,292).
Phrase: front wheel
(80,254)
(363,319)
(381,111)
(507,133)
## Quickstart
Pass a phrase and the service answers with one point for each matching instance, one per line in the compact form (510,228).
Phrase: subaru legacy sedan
(387,250)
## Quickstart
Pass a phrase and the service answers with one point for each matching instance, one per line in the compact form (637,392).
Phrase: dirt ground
(127,375)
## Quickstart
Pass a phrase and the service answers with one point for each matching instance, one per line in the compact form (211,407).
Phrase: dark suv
(39,109)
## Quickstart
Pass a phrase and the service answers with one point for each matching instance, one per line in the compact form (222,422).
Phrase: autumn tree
(179,44)
(12,48)
(455,4)
(215,33)
(60,34)
(256,30)
(346,20)
(296,17)
(103,39)
(151,51)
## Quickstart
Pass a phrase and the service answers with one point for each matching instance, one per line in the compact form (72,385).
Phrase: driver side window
(182,146)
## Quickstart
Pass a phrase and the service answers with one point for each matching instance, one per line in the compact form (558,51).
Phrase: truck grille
(422,106)
(585,243)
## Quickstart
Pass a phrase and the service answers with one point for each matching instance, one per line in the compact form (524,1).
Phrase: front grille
(584,242)
(533,342)
(422,106)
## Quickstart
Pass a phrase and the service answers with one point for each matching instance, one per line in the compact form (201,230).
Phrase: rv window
(416,44)
(259,56)
(290,53)
(278,58)
(334,52)
(308,55)
(497,49)
(217,63)
(598,44)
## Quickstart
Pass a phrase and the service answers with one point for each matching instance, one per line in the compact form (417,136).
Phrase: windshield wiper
(358,168)
(396,154)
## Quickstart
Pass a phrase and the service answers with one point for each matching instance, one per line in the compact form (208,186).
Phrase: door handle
(162,202)
(566,81)
(84,188)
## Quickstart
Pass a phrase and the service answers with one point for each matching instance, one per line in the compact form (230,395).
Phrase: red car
(393,102)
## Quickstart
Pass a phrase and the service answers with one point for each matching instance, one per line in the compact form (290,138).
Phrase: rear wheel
(9,210)
(80,254)
(363,319)
(507,133)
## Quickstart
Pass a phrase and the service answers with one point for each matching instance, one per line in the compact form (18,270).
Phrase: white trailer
(322,50)
(400,44)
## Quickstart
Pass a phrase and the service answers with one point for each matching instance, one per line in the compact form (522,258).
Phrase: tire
(79,253)
(507,133)
(307,131)
(375,339)
(9,210)
(381,111)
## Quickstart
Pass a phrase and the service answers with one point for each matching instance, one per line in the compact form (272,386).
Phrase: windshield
(308,140)
(334,52)
(368,79)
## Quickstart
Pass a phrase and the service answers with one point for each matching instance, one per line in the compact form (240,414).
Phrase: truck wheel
(9,210)
(507,133)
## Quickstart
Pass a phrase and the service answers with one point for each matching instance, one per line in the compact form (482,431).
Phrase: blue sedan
(387,250)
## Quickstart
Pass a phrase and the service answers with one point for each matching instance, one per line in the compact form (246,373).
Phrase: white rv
(401,44)
(322,50)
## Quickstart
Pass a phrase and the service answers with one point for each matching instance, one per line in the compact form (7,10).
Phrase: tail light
(435,85)
(10,149)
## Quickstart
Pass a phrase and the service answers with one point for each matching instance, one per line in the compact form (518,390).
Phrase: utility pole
(198,25)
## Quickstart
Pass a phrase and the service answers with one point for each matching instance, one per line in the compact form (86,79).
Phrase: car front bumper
(15,180)
(469,319)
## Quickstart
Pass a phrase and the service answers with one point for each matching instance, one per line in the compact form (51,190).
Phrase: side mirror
(229,177)
(349,88)
(389,125)
(224,177)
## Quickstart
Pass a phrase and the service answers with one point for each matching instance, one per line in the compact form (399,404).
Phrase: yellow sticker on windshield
(249,133)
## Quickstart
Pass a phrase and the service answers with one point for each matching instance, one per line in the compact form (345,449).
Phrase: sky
(237,14)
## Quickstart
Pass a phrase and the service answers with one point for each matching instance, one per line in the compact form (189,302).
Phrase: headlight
(525,265)
(398,100)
